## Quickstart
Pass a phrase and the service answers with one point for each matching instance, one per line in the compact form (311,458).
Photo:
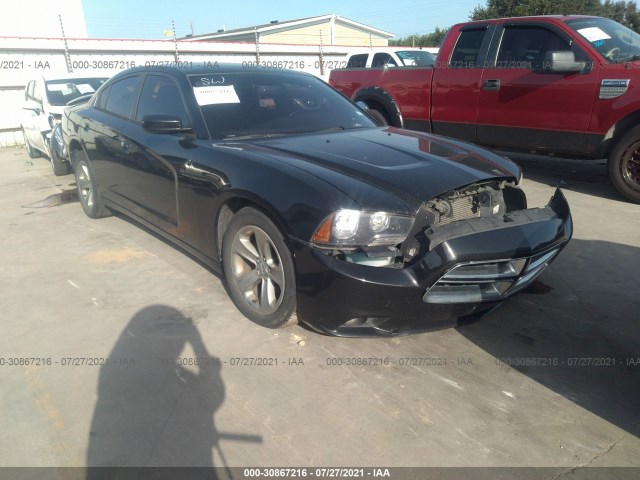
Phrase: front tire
(624,165)
(60,167)
(258,270)
(88,192)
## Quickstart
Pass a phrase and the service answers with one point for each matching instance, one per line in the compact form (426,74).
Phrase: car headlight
(353,228)
(54,119)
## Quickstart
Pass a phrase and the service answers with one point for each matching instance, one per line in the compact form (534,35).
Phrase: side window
(122,97)
(526,47)
(358,61)
(465,53)
(383,60)
(161,95)
(102,101)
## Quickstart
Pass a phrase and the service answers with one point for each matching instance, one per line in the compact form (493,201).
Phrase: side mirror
(33,106)
(160,123)
(562,62)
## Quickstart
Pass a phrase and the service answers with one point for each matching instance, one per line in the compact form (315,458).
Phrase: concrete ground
(551,379)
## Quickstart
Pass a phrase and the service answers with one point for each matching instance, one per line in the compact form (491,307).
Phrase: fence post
(175,41)
(67,56)
(321,56)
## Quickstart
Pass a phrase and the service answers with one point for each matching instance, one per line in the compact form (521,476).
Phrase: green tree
(623,12)
(433,39)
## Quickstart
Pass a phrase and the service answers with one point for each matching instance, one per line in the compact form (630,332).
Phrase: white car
(392,57)
(44,101)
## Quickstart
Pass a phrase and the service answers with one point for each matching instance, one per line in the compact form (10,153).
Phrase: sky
(147,19)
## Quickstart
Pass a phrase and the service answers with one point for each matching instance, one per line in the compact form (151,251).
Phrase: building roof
(287,25)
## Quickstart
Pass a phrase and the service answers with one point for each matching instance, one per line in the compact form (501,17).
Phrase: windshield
(61,92)
(255,104)
(416,58)
(614,42)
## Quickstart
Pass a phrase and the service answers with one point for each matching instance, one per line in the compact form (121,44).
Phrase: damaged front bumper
(471,266)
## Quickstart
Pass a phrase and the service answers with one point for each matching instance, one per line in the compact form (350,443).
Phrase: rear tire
(88,192)
(258,270)
(624,165)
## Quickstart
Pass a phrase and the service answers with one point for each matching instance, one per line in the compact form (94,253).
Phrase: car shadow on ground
(157,397)
(577,331)
(590,177)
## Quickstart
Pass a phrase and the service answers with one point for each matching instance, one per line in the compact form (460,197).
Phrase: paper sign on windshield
(85,88)
(216,94)
(593,34)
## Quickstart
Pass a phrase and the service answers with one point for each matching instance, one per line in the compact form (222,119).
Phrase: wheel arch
(233,204)
(378,96)
(75,149)
(619,130)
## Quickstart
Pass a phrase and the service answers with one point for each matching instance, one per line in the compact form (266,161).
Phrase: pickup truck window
(465,53)
(383,60)
(614,42)
(526,47)
(358,61)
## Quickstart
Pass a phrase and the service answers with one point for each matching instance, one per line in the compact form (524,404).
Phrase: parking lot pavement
(552,378)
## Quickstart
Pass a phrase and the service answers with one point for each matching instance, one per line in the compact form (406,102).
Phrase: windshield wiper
(627,59)
(339,128)
(250,136)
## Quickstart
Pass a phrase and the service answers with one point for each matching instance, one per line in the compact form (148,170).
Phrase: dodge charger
(307,208)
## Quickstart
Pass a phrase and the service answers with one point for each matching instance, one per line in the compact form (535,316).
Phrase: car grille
(475,282)
(461,209)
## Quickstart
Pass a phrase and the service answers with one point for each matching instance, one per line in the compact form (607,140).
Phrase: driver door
(153,163)
(526,108)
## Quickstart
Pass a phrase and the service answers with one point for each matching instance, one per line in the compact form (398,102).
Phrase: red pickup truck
(566,85)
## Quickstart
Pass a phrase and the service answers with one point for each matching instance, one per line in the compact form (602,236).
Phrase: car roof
(560,18)
(208,68)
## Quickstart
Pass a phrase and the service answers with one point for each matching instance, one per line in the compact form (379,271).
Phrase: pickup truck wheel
(379,117)
(60,167)
(624,165)
(258,270)
(88,192)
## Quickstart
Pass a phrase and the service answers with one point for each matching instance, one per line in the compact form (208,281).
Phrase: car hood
(413,166)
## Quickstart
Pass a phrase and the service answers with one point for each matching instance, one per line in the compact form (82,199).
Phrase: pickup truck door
(524,107)
(456,84)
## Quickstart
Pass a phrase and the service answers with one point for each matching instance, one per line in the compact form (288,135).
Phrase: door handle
(491,84)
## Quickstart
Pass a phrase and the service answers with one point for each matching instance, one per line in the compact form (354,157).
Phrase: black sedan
(309,209)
